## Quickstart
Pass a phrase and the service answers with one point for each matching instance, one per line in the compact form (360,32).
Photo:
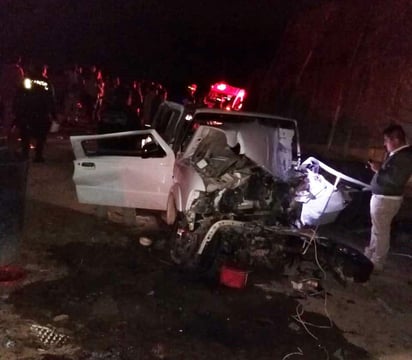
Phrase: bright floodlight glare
(27,83)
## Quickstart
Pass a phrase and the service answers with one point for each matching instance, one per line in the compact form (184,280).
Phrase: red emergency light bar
(226,89)
(225,96)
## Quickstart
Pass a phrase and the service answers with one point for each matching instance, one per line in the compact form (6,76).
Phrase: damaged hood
(266,146)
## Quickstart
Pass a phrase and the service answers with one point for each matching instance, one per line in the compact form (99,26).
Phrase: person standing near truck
(34,110)
(388,186)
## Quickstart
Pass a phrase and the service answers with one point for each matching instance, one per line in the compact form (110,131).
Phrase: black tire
(343,260)
(206,265)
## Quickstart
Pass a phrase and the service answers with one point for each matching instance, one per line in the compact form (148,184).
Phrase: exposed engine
(252,194)
(249,216)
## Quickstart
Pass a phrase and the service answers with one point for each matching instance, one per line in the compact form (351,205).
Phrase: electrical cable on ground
(299,352)
(299,308)
(401,254)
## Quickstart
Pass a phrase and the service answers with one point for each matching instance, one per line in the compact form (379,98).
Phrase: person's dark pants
(88,102)
(36,131)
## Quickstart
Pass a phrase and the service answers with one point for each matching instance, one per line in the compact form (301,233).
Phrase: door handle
(88,164)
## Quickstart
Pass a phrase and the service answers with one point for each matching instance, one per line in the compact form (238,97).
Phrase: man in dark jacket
(34,109)
(388,185)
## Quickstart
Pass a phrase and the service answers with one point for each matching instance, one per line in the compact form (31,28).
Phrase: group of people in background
(87,92)
(72,95)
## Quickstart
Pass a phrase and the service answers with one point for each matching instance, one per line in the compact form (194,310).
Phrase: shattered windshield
(268,147)
(273,135)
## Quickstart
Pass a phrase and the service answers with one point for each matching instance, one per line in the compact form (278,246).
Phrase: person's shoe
(377,267)
(368,252)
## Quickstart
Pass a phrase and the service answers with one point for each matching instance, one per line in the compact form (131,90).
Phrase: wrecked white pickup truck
(231,184)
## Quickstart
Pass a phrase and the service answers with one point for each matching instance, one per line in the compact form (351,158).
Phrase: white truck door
(138,175)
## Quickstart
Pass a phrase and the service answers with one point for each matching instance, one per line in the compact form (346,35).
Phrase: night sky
(172,41)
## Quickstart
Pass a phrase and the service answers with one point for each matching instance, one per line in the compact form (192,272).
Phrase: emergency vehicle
(224,96)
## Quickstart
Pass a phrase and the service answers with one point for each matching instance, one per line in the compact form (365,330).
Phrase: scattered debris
(60,318)
(145,241)
(307,286)
(109,355)
(273,287)
(9,343)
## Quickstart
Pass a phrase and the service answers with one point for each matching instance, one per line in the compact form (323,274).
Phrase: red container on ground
(233,277)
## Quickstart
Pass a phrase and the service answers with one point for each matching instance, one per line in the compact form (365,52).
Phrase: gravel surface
(93,292)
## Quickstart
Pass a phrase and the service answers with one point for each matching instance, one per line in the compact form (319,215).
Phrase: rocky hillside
(344,70)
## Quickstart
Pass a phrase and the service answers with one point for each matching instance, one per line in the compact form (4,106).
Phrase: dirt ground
(93,292)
